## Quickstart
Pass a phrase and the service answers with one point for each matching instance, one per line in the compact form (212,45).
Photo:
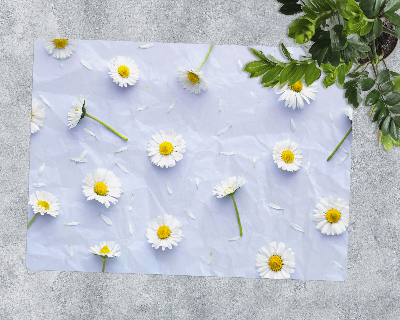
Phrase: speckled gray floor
(372,288)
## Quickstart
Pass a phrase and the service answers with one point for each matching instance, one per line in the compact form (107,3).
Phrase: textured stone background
(372,288)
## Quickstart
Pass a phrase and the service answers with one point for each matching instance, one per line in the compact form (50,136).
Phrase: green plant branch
(205,59)
(340,143)
(386,30)
(104,264)
(237,214)
(108,127)
(33,219)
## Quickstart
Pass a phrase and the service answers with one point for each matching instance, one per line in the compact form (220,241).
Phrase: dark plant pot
(385,43)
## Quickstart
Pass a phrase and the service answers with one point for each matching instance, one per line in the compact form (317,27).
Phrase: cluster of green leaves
(290,7)
(276,73)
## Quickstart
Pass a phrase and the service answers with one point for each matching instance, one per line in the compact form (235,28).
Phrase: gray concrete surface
(372,288)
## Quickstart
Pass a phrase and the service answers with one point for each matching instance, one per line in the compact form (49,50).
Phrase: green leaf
(397,32)
(392,99)
(394,130)
(397,120)
(354,98)
(378,27)
(365,4)
(388,87)
(300,71)
(393,17)
(271,74)
(386,125)
(260,55)
(336,24)
(396,83)
(333,57)
(367,84)
(372,98)
(394,74)
(382,116)
(287,73)
(383,76)
(341,74)
(286,52)
(312,74)
(329,80)
(355,49)
(350,83)
(393,6)
(287,1)
(302,30)
(290,9)
(395,109)
(376,110)
(255,66)
(387,142)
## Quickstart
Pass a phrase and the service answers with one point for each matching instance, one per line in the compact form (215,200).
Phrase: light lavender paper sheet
(256,127)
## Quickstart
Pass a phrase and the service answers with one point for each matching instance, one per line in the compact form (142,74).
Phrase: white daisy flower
(123,71)
(166,148)
(77,111)
(164,232)
(331,216)
(275,263)
(349,113)
(38,115)
(228,186)
(43,202)
(106,250)
(192,80)
(60,48)
(294,94)
(287,155)
(103,186)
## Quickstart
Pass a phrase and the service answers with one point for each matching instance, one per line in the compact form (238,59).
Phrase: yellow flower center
(166,148)
(31,115)
(275,263)
(105,250)
(298,86)
(287,156)
(163,232)
(333,215)
(123,71)
(193,78)
(100,188)
(229,190)
(60,43)
(44,204)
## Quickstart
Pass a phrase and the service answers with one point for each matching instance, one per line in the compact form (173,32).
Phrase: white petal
(70,251)
(224,130)
(131,204)
(169,187)
(343,159)
(226,153)
(308,168)
(45,101)
(330,115)
(173,104)
(341,148)
(122,167)
(39,185)
(240,66)
(274,206)
(255,97)
(296,227)
(40,171)
(62,63)
(189,213)
(106,220)
(147,46)
(142,107)
(235,238)
(209,259)
(220,102)
(89,132)
(293,126)
(72,224)
(130,229)
(87,65)
(337,264)
(254,159)
(197,180)
(122,149)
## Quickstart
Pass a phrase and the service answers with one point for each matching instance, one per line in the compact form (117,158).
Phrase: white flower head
(164,232)
(294,94)
(166,148)
(275,262)
(77,111)
(38,115)
(287,155)
(103,186)
(106,250)
(349,113)
(192,80)
(60,48)
(228,186)
(44,202)
(123,71)
(331,216)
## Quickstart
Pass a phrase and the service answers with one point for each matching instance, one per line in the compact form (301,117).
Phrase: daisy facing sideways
(106,250)
(166,148)
(38,115)
(78,111)
(287,155)
(331,216)
(103,186)
(60,48)
(275,263)
(229,187)
(193,80)
(296,93)
(164,232)
(123,71)
(43,202)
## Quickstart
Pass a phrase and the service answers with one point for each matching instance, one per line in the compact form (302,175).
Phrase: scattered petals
(274,206)
(197,180)
(41,169)
(70,251)
(87,65)
(226,153)
(142,107)
(337,264)
(296,227)
(292,125)
(89,132)
(169,187)
(72,224)
(254,159)
(330,115)
(172,104)
(235,238)
(39,185)
(122,167)
(45,101)
(81,157)
(343,159)
(189,213)
(255,97)
(106,220)
(224,130)
(123,149)
(240,66)
(209,259)
(61,62)
(131,204)
(130,229)
(220,102)
(146,46)
(308,168)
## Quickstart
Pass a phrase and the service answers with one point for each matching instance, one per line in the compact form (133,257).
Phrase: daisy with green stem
(43,202)
(193,80)
(78,112)
(106,250)
(229,187)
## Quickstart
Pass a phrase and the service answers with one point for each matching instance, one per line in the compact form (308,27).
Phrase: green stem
(33,219)
(369,20)
(340,143)
(386,30)
(237,214)
(104,264)
(356,69)
(108,127)
(209,51)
